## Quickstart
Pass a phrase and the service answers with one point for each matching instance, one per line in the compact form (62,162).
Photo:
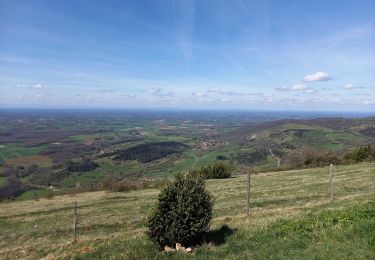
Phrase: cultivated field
(291,217)
(39,160)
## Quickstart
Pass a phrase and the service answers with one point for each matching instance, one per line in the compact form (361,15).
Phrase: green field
(291,218)
(87,178)
(16,150)
(33,194)
(2,181)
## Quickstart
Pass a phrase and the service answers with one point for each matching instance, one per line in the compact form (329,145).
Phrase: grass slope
(291,217)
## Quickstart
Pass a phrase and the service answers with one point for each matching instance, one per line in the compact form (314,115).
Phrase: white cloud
(363,94)
(299,87)
(309,91)
(259,94)
(232,93)
(38,86)
(198,94)
(105,90)
(32,98)
(317,76)
(350,86)
(224,92)
(154,90)
(213,90)
(270,99)
(129,96)
(369,102)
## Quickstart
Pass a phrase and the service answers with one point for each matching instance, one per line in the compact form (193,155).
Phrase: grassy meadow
(291,217)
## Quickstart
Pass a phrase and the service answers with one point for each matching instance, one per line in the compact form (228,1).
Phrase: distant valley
(66,149)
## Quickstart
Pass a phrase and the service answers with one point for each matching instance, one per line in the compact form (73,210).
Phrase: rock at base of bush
(179,247)
(168,249)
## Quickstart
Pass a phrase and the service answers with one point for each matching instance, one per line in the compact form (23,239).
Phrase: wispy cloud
(360,31)
(225,92)
(298,88)
(184,13)
(154,90)
(369,102)
(34,97)
(108,90)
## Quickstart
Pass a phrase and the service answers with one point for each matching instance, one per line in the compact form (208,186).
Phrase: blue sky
(235,54)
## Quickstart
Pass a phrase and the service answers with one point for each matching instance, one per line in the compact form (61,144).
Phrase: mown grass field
(291,217)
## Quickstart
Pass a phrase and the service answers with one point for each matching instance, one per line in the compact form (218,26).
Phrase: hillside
(291,217)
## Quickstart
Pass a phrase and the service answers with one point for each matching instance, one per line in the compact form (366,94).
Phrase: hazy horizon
(160,110)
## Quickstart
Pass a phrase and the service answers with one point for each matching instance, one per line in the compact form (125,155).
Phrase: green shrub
(360,154)
(218,170)
(183,212)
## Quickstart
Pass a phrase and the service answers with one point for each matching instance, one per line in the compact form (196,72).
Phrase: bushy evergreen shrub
(183,212)
(218,170)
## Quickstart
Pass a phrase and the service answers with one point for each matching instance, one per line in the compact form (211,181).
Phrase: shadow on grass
(218,236)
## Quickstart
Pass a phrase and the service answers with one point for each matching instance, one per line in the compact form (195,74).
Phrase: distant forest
(145,153)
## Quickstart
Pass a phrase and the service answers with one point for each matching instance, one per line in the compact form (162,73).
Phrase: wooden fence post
(248,195)
(75,222)
(331,180)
